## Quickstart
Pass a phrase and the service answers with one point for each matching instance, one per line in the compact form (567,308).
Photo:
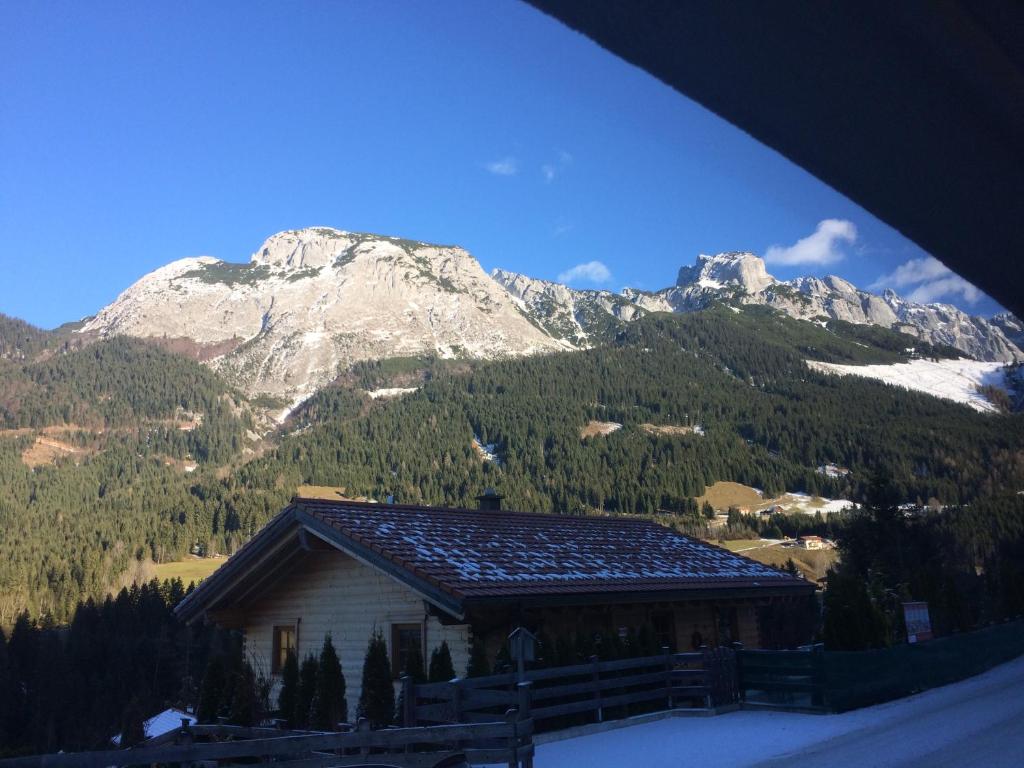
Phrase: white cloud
(590,272)
(821,247)
(506,166)
(550,170)
(930,280)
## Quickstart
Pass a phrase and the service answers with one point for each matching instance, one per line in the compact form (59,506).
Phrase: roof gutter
(640,596)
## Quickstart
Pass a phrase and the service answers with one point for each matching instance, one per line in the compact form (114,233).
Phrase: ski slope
(956,380)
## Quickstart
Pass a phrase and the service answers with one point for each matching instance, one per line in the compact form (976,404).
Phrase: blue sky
(134,134)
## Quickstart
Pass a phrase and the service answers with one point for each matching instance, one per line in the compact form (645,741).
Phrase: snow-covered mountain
(310,302)
(742,278)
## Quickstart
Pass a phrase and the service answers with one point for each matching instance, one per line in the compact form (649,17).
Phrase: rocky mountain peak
(734,268)
(310,302)
(302,248)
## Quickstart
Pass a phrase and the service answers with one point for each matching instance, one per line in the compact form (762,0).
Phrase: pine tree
(441,669)
(477,665)
(213,692)
(414,668)
(331,707)
(306,698)
(287,699)
(133,724)
(377,697)
(244,697)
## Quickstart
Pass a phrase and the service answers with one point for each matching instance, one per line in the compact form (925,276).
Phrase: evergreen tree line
(966,562)
(116,663)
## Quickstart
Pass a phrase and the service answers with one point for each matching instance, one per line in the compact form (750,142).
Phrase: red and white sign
(919,623)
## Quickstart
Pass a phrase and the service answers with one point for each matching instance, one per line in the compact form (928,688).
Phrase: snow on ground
(377,394)
(486,451)
(956,380)
(802,502)
(943,727)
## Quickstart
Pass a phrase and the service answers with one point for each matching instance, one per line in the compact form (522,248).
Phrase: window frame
(396,633)
(277,659)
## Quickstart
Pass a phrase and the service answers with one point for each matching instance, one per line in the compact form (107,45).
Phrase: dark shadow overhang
(913,109)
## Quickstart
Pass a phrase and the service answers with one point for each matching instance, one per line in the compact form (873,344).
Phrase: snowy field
(956,380)
(388,392)
(979,721)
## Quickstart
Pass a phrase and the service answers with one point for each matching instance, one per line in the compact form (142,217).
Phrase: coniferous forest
(767,421)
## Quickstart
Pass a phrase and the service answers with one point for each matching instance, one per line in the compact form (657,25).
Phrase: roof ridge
(495,513)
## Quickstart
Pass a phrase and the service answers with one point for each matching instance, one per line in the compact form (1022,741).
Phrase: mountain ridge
(742,278)
(310,303)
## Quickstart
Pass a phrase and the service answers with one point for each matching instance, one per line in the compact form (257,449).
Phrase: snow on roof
(161,723)
(473,553)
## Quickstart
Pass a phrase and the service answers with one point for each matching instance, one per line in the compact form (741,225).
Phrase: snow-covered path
(979,721)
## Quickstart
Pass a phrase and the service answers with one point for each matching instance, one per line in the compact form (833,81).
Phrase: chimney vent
(490,500)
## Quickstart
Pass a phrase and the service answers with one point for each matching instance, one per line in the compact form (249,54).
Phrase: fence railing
(838,681)
(508,741)
(791,679)
(596,690)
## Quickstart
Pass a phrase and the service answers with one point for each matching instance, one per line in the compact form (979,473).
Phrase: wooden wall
(330,592)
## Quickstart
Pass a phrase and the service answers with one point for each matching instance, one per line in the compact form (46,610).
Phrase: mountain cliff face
(743,279)
(310,302)
(579,317)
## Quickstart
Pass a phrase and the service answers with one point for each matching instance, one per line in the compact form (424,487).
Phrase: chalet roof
(455,557)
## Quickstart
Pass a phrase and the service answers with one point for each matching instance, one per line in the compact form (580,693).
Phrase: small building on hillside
(423,575)
(815,542)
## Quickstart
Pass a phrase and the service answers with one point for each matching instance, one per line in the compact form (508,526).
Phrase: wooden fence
(595,691)
(788,679)
(508,741)
(837,681)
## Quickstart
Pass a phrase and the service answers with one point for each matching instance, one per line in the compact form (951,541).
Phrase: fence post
(818,676)
(741,690)
(512,718)
(362,726)
(668,674)
(709,674)
(524,703)
(457,700)
(596,678)
(408,702)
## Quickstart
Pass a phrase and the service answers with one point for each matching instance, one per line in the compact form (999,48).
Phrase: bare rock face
(576,316)
(742,278)
(311,302)
(745,271)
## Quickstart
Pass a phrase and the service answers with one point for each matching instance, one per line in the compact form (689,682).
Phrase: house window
(406,640)
(664,628)
(284,643)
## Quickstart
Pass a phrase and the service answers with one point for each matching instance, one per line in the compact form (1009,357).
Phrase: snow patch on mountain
(957,380)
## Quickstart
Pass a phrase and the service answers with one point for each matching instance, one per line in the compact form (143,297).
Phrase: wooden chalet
(422,575)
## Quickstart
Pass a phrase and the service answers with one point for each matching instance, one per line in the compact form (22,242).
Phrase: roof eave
(641,595)
(430,592)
